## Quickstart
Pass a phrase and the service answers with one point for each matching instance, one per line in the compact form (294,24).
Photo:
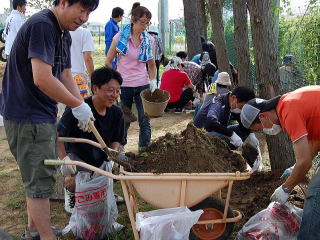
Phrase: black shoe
(178,110)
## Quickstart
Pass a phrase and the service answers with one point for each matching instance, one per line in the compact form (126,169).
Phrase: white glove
(253,140)
(68,170)
(83,113)
(280,195)
(286,173)
(153,85)
(236,140)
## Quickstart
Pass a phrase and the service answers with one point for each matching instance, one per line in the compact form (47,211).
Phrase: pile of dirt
(253,195)
(191,151)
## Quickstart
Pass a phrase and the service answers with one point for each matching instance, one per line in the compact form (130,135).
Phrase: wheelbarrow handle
(54,162)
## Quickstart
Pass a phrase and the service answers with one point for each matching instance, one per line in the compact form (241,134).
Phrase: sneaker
(116,227)
(69,201)
(178,110)
(128,115)
(118,198)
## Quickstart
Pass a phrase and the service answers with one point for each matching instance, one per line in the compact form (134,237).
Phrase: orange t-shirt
(299,113)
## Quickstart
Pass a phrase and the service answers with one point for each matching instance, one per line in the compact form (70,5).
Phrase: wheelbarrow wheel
(213,209)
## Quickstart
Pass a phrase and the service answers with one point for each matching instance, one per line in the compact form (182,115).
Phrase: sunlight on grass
(17,201)
(4,175)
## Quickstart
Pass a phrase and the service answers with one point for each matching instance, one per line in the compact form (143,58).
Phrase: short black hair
(181,54)
(104,75)
(17,3)
(91,4)
(243,94)
(117,12)
(209,69)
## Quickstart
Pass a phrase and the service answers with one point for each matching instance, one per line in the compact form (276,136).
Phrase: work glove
(153,85)
(280,195)
(68,170)
(236,140)
(253,140)
(286,173)
(83,113)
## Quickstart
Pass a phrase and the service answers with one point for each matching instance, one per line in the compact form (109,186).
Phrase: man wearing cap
(290,77)
(298,113)
(173,80)
(215,116)
(219,87)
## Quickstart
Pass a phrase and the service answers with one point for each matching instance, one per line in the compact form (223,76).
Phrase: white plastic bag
(258,165)
(168,223)
(277,222)
(95,206)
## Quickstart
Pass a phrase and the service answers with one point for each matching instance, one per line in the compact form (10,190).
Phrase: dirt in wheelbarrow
(191,151)
(253,195)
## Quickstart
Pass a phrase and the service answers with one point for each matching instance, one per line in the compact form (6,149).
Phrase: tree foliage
(300,36)
(40,4)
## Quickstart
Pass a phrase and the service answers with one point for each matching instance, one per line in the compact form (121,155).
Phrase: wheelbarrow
(169,190)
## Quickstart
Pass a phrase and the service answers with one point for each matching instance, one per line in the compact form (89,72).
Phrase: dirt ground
(250,196)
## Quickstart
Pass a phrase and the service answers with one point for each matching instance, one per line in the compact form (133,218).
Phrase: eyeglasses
(112,91)
(143,22)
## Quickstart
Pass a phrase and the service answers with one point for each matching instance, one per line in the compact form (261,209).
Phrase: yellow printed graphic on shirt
(212,89)
(81,81)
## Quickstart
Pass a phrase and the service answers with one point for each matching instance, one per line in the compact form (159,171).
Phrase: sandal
(36,236)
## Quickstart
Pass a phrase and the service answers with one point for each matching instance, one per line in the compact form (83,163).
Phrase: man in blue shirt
(37,76)
(112,29)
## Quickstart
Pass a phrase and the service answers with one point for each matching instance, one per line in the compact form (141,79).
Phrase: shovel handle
(97,134)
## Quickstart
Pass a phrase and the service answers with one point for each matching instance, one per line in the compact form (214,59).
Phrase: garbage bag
(95,206)
(168,223)
(277,222)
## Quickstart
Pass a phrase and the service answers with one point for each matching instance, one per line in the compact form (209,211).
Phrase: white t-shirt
(13,24)
(81,42)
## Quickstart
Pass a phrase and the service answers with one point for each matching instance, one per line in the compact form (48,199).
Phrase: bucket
(154,103)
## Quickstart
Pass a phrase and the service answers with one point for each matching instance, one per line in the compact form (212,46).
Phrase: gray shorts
(31,144)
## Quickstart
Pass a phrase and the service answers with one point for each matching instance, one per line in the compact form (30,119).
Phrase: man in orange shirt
(298,113)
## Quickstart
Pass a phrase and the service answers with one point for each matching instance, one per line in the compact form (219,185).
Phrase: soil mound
(192,151)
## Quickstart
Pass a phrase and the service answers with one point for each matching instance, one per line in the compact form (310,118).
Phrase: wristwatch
(286,190)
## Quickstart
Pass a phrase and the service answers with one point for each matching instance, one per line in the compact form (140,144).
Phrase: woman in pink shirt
(135,49)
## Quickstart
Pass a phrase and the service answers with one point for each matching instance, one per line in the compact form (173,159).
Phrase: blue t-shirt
(196,59)
(39,37)
(110,126)
(110,30)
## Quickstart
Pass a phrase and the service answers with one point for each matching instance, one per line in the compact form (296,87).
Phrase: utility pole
(163,20)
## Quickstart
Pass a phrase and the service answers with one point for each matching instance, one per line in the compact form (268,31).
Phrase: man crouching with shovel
(109,122)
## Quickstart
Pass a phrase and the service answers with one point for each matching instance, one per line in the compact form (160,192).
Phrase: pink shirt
(133,72)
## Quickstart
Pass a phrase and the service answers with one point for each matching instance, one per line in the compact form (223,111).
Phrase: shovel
(116,156)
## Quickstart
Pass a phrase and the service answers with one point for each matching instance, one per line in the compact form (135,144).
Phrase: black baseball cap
(253,107)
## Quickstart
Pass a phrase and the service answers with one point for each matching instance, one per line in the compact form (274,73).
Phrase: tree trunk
(192,28)
(280,147)
(203,19)
(241,41)
(215,9)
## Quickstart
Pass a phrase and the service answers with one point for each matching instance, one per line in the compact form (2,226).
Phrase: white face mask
(236,110)
(276,129)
